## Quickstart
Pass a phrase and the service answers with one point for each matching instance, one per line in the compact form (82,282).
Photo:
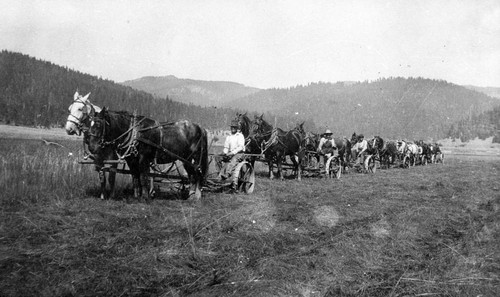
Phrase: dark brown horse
(245,123)
(344,149)
(142,142)
(276,144)
(426,156)
(252,146)
(389,153)
(375,146)
(310,146)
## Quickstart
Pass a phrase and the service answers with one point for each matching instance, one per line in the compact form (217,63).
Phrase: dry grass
(426,231)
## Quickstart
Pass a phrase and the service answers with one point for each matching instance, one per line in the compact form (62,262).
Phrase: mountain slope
(37,93)
(203,93)
(395,107)
(490,91)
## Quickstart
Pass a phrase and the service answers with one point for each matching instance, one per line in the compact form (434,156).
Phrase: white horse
(80,113)
(412,151)
(407,151)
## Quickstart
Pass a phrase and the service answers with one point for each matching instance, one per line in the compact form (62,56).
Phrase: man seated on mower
(326,148)
(361,148)
(234,147)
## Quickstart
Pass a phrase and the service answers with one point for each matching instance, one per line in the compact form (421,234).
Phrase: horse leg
(136,181)
(111,181)
(296,163)
(270,163)
(195,186)
(102,179)
(278,164)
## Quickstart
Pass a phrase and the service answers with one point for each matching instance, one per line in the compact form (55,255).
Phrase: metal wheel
(309,161)
(440,158)
(334,167)
(244,177)
(370,164)
(406,162)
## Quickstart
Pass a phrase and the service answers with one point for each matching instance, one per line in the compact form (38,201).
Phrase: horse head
(354,138)
(311,141)
(377,143)
(97,130)
(260,126)
(300,128)
(245,123)
(80,112)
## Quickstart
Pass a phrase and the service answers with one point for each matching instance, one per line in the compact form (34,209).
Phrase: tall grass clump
(32,172)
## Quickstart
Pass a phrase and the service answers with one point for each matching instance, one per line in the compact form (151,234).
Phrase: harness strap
(185,161)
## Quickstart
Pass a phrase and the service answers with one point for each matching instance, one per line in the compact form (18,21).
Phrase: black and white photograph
(306,148)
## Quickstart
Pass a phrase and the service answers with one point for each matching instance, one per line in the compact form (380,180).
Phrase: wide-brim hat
(361,136)
(328,132)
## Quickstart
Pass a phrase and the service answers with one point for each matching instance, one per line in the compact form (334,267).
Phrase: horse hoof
(194,196)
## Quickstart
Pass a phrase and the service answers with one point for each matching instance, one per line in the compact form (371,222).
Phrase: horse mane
(266,125)
(245,123)
(380,142)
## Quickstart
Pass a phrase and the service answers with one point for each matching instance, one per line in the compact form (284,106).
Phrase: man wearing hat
(234,146)
(326,147)
(361,147)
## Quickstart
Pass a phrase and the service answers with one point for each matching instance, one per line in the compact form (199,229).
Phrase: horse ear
(86,97)
(76,95)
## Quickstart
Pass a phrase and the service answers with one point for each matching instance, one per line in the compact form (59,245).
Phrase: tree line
(37,93)
(482,126)
(394,107)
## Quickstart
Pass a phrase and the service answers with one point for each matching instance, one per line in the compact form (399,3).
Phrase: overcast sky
(262,43)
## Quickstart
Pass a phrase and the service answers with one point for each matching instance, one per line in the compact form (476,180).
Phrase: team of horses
(275,144)
(141,142)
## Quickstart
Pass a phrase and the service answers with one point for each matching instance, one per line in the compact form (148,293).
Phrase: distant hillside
(490,91)
(480,126)
(394,107)
(37,93)
(199,92)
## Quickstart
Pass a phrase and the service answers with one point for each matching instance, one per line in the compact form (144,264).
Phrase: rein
(276,139)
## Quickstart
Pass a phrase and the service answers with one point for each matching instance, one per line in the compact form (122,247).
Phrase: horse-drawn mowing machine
(172,178)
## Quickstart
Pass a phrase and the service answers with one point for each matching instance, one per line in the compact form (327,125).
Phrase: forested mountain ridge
(190,91)
(413,108)
(490,91)
(482,126)
(37,93)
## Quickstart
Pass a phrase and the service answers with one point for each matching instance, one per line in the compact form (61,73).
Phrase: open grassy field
(426,231)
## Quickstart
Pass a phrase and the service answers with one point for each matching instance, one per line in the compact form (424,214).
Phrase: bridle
(102,123)
(79,123)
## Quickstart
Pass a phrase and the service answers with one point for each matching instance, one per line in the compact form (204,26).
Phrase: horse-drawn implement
(290,150)
(333,167)
(172,178)
(167,154)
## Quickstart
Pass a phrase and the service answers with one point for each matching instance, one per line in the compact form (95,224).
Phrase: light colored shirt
(235,143)
(362,146)
(324,141)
